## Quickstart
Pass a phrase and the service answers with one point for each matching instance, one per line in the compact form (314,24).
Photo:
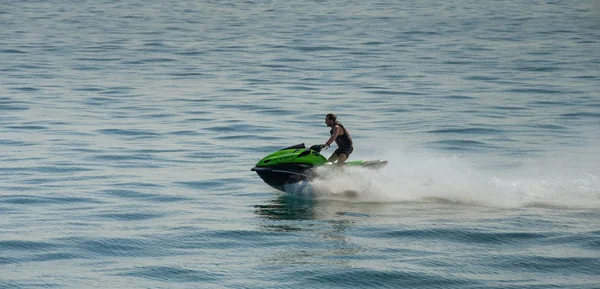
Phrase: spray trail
(428,177)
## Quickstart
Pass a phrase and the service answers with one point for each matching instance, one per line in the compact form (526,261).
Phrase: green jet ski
(297,163)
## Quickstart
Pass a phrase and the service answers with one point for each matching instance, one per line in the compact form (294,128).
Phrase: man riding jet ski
(298,163)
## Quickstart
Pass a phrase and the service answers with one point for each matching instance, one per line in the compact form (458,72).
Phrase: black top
(342,141)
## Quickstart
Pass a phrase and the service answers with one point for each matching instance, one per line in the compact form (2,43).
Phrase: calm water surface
(128,130)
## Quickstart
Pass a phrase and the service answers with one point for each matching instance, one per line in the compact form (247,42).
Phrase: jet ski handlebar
(318,148)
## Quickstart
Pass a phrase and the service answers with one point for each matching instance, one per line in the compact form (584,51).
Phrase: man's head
(330,119)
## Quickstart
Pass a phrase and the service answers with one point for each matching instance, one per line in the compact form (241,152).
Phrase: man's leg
(342,158)
(334,157)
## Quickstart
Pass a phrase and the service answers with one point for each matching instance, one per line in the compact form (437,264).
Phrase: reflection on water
(285,207)
(319,230)
(290,208)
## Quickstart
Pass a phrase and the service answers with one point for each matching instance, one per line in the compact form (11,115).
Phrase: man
(342,138)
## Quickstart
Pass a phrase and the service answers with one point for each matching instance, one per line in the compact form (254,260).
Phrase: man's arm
(336,131)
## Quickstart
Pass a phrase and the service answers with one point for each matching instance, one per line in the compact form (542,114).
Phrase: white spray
(423,176)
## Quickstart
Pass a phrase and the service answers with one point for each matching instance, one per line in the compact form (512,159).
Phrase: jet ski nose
(259,169)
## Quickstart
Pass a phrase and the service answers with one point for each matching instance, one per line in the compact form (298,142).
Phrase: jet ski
(297,163)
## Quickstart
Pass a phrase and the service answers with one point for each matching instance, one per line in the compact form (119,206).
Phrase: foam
(428,176)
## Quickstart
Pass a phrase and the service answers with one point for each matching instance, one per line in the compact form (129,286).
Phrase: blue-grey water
(128,130)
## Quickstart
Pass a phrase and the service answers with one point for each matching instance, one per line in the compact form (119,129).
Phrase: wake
(427,177)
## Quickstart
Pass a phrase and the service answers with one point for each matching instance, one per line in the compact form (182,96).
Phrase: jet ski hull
(280,175)
(297,163)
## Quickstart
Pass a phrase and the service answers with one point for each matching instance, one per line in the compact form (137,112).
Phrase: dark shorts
(345,150)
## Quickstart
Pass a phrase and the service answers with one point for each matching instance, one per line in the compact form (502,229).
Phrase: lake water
(128,130)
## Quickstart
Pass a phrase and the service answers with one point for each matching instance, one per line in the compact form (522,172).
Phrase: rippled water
(128,128)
